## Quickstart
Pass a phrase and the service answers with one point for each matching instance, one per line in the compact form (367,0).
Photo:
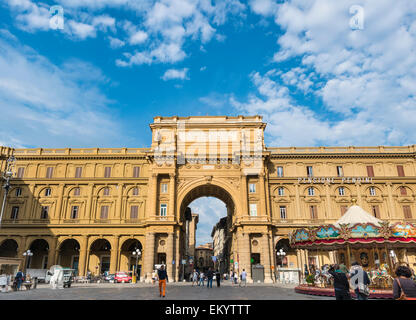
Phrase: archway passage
(8,248)
(212,203)
(39,260)
(99,258)
(128,260)
(69,254)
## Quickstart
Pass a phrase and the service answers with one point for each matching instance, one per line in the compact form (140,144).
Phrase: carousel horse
(325,277)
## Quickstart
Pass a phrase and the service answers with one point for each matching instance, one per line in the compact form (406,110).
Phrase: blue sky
(316,77)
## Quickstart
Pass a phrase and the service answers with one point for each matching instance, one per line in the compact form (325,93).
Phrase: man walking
(201,279)
(162,276)
(194,277)
(210,275)
(19,279)
(341,284)
(243,278)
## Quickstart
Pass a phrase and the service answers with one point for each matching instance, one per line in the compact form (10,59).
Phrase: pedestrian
(218,276)
(359,280)
(194,277)
(19,279)
(404,288)
(341,284)
(162,277)
(232,277)
(243,278)
(235,278)
(201,279)
(210,275)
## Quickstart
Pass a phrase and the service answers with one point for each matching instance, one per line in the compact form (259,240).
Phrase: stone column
(87,214)
(244,251)
(265,254)
(391,213)
(117,214)
(169,258)
(153,201)
(244,196)
(177,264)
(53,252)
(58,211)
(297,202)
(263,211)
(114,255)
(149,256)
(83,252)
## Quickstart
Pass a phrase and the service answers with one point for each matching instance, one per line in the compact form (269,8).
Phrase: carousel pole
(348,255)
(388,259)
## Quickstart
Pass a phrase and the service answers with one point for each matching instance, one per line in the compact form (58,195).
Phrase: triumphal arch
(94,209)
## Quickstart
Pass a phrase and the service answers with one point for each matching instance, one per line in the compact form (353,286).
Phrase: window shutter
(20,172)
(370,171)
(135,191)
(104,212)
(407,212)
(136,172)
(134,212)
(343,210)
(400,171)
(49,172)
(403,191)
(314,212)
(107,172)
(78,172)
(376,212)
(76,192)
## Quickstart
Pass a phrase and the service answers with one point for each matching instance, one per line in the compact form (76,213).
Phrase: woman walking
(194,277)
(404,288)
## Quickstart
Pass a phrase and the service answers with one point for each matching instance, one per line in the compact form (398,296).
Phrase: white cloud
(116,43)
(365,78)
(138,37)
(52,106)
(181,74)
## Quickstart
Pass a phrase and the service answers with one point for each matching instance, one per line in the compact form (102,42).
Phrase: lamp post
(27,254)
(280,254)
(7,175)
(137,253)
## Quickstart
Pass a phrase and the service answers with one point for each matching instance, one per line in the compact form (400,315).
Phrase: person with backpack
(19,278)
(341,284)
(404,288)
(210,276)
(359,280)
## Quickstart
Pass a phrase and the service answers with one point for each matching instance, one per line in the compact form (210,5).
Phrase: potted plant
(310,280)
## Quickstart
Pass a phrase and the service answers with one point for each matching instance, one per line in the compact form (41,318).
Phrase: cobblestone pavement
(177,291)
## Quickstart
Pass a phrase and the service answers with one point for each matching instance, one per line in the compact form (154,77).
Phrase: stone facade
(90,208)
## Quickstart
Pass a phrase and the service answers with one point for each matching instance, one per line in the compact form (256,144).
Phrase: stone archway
(99,257)
(9,248)
(127,259)
(40,250)
(69,254)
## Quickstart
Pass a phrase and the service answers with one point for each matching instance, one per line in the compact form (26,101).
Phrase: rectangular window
(280,172)
(311,191)
(18,192)
(341,191)
(407,212)
(136,172)
(252,187)
(104,212)
(253,209)
(314,212)
(44,213)
(343,210)
(403,191)
(77,191)
(164,188)
(74,212)
(78,172)
(281,191)
(163,210)
(400,171)
(20,172)
(376,211)
(309,171)
(340,172)
(49,172)
(107,172)
(372,191)
(134,212)
(15,213)
(135,191)
(106,191)
(282,212)
(47,192)
(370,171)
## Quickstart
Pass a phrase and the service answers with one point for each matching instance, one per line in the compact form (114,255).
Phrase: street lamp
(27,254)
(137,253)
(7,175)
(281,254)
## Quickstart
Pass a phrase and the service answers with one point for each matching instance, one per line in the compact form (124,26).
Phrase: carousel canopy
(355,214)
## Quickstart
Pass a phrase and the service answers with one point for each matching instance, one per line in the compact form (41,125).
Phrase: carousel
(357,237)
